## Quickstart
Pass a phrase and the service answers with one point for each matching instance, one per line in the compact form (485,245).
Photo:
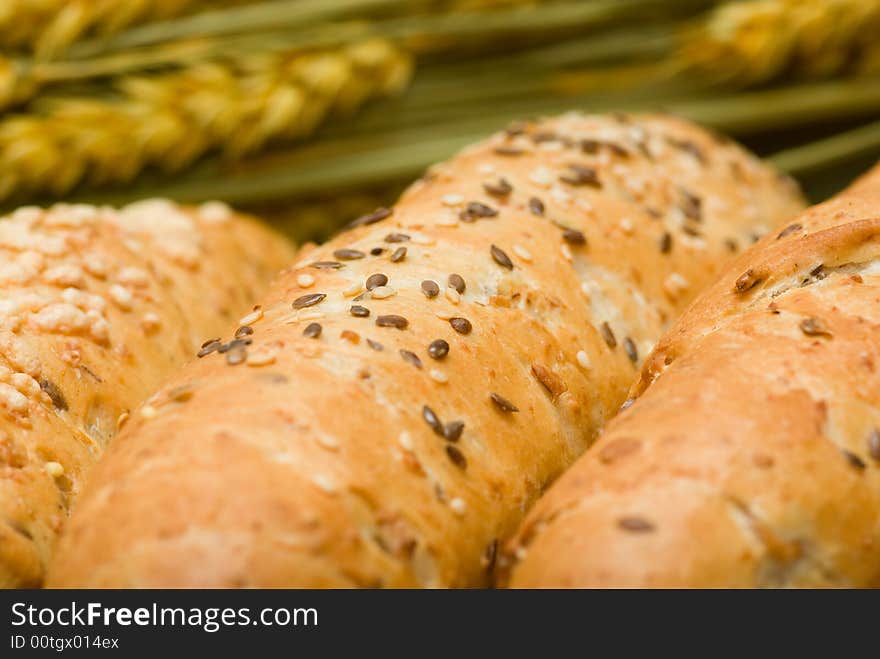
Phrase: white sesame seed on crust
(383,292)
(438,376)
(458,506)
(522,253)
(583,359)
(252,317)
(305,280)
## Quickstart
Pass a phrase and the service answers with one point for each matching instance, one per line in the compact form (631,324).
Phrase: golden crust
(98,307)
(752,455)
(318,465)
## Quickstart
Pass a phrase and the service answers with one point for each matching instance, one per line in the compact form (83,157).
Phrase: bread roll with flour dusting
(97,307)
(751,457)
(417,381)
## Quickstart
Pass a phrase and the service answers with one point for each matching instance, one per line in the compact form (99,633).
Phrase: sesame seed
(500,257)
(626,225)
(747,281)
(309,300)
(631,351)
(542,176)
(392,320)
(665,243)
(438,376)
(252,317)
(583,359)
(208,347)
(358,311)
(580,175)
(354,289)
(382,292)
(324,483)
(452,431)
(452,295)
(438,349)
(262,357)
(149,412)
(573,236)
(461,325)
(405,441)
(500,188)
(375,345)
(236,355)
(522,253)
(456,456)
(675,284)
(608,335)
(305,280)
(502,403)
(326,265)
(432,420)
(243,331)
(446,221)
(457,282)
(475,210)
(430,288)
(874,444)
(855,461)
(56,470)
(312,331)
(424,239)
(370,218)
(375,281)
(411,357)
(790,229)
(396,238)
(452,200)
(814,327)
(566,252)
(635,524)
(536,206)
(458,506)
(398,254)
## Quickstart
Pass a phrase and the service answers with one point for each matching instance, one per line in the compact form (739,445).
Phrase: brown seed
(244,330)
(790,229)
(370,218)
(607,334)
(501,258)
(432,420)
(452,431)
(874,444)
(377,251)
(54,393)
(499,188)
(814,327)
(747,281)
(475,210)
(502,403)
(375,345)
(392,320)
(666,243)
(456,456)
(235,343)
(398,254)
(205,344)
(376,280)
(411,357)
(312,331)
(430,288)
(461,325)
(635,524)
(490,555)
(731,245)
(580,175)
(348,254)
(573,237)
(549,380)
(326,265)
(396,238)
(438,349)
(691,206)
(631,351)
(457,282)
(855,461)
(236,355)
(590,146)
(507,150)
(358,311)
(309,300)
(536,206)
(208,347)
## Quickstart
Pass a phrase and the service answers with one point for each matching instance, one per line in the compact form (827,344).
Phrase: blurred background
(310,112)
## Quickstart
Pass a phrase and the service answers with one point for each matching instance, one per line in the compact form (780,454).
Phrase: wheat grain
(168,121)
(756,41)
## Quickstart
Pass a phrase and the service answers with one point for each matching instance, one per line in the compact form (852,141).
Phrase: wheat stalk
(755,41)
(168,121)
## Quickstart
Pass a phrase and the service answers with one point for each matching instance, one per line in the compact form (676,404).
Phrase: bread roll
(97,307)
(418,380)
(752,455)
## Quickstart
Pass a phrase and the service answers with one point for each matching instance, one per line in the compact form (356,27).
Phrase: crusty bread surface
(414,384)
(97,307)
(751,457)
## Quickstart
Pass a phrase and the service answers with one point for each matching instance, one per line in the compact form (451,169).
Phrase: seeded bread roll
(423,376)
(752,455)
(97,308)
